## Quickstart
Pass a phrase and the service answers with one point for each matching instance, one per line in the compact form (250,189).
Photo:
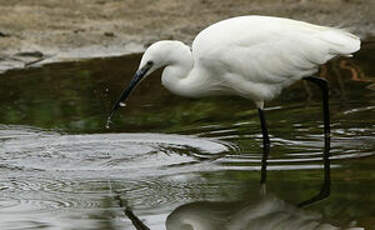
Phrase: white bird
(254,57)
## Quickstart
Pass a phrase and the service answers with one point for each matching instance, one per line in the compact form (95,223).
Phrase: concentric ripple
(107,152)
(44,172)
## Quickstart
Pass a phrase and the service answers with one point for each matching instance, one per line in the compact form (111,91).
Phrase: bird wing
(269,49)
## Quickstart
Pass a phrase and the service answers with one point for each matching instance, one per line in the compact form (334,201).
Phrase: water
(170,158)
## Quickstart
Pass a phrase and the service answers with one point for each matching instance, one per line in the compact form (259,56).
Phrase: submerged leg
(322,83)
(266,139)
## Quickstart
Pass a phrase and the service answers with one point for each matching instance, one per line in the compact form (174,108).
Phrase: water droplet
(108,124)
(122,104)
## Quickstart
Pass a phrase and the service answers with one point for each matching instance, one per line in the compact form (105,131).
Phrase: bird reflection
(263,211)
(269,212)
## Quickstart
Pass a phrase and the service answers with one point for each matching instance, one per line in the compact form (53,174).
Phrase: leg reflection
(138,224)
(326,188)
(263,170)
(261,213)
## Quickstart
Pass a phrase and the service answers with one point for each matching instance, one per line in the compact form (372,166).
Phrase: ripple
(145,155)
(163,191)
(41,196)
(8,132)
(107,152)
(360,109)
(302,152)
(23,206)
(74,171)
(59,173)
(8,204)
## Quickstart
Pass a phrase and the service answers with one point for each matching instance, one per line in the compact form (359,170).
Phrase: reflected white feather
(268,213)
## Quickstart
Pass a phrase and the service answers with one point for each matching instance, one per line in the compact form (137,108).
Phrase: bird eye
(150,63)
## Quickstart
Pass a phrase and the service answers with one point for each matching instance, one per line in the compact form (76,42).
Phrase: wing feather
(269,49)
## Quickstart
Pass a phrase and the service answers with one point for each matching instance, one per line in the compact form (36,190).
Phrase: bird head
(158,55)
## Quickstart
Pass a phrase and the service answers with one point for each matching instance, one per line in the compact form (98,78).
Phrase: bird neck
(178,71)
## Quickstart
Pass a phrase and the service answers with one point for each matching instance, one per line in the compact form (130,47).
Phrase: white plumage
(251,56)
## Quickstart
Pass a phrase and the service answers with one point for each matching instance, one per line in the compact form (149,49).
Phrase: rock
(109,34)
(36,54)
(2,34)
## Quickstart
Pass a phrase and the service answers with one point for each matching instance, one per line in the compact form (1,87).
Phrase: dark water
(196,161)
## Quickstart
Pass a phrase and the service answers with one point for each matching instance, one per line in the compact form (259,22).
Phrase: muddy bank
(54,30)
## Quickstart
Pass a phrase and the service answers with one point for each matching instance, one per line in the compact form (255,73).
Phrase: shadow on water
(168,157)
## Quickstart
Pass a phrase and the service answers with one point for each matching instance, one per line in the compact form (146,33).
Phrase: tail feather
(341,42)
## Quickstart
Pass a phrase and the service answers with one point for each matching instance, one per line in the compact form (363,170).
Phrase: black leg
(322,83)
(326,188)
(266,139)
(263,171)
(266,150)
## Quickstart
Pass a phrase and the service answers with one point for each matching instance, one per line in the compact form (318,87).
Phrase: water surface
(60,168)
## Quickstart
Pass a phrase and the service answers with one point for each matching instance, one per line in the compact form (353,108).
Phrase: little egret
(254,57)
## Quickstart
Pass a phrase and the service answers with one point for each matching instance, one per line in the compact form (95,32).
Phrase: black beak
(127,91)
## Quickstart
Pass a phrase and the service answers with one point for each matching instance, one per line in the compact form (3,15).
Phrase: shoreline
(51,31)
